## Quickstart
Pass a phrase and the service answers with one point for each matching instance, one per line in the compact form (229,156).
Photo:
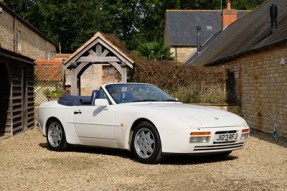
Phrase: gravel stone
(27,164)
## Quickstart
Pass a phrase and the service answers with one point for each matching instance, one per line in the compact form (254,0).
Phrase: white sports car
(143,119)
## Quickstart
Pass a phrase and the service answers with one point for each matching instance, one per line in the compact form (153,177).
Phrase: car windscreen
(126,93)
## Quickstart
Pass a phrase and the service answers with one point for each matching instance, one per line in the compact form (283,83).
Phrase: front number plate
(227,137)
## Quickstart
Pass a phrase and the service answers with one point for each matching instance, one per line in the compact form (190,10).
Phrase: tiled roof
(249,33)
(63,55)
(180,26)
(48,70)
(119,44)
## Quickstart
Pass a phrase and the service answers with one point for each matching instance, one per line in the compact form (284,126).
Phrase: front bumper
(178,141)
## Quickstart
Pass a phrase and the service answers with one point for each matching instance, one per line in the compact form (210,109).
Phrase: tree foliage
(72,22)
(153,51)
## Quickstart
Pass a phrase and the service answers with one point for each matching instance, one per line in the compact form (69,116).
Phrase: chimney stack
(228,5)
(229,15)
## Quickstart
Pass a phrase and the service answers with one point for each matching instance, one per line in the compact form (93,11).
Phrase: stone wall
(261,87)
(93,77)
(33,44)
(6,31)
(180,54)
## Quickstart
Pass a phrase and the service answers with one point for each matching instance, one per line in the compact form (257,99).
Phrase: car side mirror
(102,102)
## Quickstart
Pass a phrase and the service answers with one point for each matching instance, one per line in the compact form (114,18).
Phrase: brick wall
(228,16)
(261,86)
(33,43)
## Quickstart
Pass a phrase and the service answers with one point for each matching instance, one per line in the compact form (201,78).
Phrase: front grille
(224,132)
(218,147)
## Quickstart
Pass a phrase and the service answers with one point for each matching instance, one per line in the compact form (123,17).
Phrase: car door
(94,122)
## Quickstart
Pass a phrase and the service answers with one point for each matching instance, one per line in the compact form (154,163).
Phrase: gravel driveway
(27,164)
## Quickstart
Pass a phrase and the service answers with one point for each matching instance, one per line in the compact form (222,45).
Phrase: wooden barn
(16,93)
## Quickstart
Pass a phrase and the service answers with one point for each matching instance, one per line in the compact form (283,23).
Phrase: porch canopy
(100,49)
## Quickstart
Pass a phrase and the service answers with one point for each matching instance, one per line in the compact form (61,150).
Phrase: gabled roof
(249,33)
(180,29)
(110,40)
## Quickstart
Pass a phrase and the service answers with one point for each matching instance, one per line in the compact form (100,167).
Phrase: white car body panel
(111,126)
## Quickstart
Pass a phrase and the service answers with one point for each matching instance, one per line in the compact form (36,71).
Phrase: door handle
(77,112)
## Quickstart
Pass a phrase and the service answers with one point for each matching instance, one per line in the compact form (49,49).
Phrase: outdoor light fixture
(198,28)
(282,61)
(273,16)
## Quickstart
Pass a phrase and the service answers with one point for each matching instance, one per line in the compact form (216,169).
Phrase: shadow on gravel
(281,141)
(93,150)
(188,160)
(169,159)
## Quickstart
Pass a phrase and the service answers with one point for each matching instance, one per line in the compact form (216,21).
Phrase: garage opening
(4,99)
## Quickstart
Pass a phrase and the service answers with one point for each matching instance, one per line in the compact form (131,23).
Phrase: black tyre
(146,144)
(56,138)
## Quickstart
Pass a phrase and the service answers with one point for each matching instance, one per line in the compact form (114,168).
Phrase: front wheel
(56,138)
(146,144)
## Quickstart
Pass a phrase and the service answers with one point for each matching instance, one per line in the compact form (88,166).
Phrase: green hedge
(186,82)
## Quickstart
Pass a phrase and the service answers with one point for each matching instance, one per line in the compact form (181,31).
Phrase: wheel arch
(135,124)
(49,121)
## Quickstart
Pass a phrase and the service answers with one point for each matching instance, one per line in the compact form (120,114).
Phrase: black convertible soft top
(71,100)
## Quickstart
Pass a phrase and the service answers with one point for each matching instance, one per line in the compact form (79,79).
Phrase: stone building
(186,31)
(20,45)
(19,36)
(254,50)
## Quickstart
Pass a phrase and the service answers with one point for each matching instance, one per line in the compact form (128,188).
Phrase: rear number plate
(227,137)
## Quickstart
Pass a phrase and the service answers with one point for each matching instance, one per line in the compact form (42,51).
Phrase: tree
(72,22)
(153,51)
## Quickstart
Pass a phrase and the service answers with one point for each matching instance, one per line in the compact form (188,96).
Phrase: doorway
(5,121)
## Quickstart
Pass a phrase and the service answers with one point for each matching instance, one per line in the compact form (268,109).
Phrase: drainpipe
(14,33)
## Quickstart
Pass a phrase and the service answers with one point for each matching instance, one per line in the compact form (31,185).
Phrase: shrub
(55,93)
(186,82)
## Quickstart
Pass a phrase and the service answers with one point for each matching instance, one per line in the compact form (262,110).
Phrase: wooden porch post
(124,72)
(74,88)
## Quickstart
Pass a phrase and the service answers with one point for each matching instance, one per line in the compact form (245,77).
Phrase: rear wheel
(146,144)
(56,138)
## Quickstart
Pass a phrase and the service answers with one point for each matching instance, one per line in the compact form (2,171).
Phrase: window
(18,41)
(48,55)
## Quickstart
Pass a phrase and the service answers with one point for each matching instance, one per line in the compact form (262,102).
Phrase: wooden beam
(98,59)
(99,49)
(124,74)
(92,52)
(106,52)
(74,84)
(117,67)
